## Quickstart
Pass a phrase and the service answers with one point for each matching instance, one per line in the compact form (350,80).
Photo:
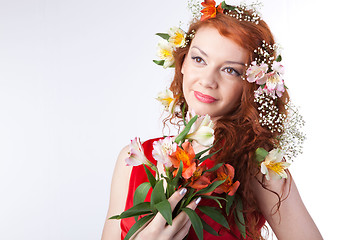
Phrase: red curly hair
(239,131)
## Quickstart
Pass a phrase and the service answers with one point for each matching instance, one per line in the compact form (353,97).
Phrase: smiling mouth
(204,98)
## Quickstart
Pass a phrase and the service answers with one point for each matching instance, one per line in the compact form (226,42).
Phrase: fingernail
(183,191)
(198,200)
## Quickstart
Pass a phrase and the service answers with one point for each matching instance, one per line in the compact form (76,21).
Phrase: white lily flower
(136,155)
(273,165)
(177,37)
(162,149)
(166,53)
(167,99)
(202,131)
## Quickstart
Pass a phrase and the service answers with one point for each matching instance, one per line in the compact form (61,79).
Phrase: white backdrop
(77,82)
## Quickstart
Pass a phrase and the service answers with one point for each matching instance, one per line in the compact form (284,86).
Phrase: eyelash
(197,58)
(200,60)
(234,71)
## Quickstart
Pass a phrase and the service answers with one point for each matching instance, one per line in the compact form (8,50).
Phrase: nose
(209,79)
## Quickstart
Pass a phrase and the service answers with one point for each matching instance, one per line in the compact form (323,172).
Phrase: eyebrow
(230,62)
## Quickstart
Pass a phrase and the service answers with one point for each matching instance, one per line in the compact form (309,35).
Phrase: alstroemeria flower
(227,172)
(274,82)
(257,73)
(202,131)
(168,100)
(136,155)
(185,155)
(277,67)
(177,37)
(200,180)
(210,9)
(162,149)
(273,166)
(166,53)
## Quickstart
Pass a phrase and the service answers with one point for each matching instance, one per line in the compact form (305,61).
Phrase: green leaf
(183,113)
(260,154)
(208,156)
(210,188)
(137,210)
(158,194)
(215,198)
(159,62)
(178,174)
(239,217)
(229,203)
(186,130)
(215,215)
(195,222)
(225,6)
(150,176)
(208,228)
(138,225)
(141,193)
(163,35)
(198,155)
(216,167)
(279,58)
(165,209)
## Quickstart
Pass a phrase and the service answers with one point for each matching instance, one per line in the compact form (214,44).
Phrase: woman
(218,72)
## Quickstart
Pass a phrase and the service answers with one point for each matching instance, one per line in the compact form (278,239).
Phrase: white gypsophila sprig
(241,11)
(292,139)
(269,112)
(195,7)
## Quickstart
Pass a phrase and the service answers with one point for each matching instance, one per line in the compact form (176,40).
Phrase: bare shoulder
(118,195)
(292,212)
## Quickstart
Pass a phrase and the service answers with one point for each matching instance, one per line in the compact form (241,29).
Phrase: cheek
(234,92)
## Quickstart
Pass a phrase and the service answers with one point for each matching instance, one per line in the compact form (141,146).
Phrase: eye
(231,71)
(198,59)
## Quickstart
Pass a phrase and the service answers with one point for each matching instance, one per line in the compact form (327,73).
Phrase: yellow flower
(177,37)
(167,99)
(166,53)
(273,165)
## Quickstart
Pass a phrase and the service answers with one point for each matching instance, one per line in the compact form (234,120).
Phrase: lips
(204,98)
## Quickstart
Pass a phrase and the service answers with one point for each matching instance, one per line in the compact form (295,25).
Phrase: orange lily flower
(227,172)
(199,181)
(186,156)
(210,9)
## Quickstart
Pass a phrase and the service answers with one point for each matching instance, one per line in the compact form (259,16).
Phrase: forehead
(210,41)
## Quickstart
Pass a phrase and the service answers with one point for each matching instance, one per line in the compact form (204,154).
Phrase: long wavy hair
(239,131)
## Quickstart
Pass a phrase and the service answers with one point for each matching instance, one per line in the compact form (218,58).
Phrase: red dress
(138,176)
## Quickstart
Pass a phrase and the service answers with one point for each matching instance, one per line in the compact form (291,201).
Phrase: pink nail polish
(198,200)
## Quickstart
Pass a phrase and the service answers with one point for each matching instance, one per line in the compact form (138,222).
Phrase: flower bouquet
(180,167)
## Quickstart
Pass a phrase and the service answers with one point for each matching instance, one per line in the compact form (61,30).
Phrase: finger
(137,234)
(176,197)
(159,220)
(183,231)
(181,219)
(194,203)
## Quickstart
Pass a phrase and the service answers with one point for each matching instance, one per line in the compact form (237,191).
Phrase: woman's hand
(158,229)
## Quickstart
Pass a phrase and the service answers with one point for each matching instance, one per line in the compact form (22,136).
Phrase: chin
(203,111)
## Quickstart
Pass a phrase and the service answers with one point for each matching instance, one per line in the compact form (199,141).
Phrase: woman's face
(212,72)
